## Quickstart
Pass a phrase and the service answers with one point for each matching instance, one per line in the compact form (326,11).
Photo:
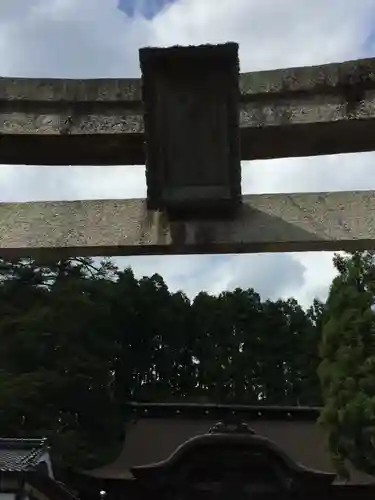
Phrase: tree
(56,359)
(347,370)
(310,391)
(79,340)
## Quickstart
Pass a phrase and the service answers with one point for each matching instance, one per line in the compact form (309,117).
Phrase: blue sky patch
(145,8)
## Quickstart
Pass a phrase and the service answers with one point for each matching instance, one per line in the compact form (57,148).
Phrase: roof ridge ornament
(223,427)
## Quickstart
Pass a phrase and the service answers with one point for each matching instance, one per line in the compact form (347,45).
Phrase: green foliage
(347,370)
(79,340)
(55,359)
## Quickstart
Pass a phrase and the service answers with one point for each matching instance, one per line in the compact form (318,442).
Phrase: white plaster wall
(47,459)
(7,496)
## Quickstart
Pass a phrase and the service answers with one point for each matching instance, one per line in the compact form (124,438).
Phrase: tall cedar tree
(347,370)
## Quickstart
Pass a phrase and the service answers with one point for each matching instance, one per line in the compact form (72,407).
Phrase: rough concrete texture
(267,223)
(289,112)
(323,78)
(58,90)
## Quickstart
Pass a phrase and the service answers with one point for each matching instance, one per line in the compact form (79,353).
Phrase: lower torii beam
(266,223)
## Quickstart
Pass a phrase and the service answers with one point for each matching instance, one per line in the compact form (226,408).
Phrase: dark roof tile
(20,455)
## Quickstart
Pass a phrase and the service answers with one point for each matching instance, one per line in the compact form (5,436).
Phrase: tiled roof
(221,411)
(49,487)
(20,455)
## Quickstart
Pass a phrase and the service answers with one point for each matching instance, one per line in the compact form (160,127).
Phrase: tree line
(78,340)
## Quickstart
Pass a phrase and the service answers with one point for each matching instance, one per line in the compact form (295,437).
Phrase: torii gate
(190,119)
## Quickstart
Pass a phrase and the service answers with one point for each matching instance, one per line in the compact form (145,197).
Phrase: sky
(101,38)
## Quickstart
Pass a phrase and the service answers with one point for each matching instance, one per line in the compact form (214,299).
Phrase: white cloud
(92,38)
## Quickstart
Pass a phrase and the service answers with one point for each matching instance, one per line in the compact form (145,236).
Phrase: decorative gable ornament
(231,459)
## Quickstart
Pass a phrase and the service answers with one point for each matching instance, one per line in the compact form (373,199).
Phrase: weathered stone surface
(326,78)
(57,90)
(267,223)
(191,98)
(289,112)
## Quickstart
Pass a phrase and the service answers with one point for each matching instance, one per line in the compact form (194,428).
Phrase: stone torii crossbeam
(191,119)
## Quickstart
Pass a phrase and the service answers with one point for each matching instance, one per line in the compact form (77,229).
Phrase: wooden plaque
(191,118)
